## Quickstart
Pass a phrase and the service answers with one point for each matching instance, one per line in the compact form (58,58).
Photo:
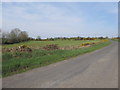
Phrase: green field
(116,40)
(60,43)
(16,62)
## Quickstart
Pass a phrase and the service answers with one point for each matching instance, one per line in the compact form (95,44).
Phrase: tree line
(16,36)
(70,38)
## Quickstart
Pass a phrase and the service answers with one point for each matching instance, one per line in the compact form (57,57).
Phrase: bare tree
(23,36)
(13,36)
(4,37)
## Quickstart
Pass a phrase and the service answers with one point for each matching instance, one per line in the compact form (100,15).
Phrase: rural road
(98,69)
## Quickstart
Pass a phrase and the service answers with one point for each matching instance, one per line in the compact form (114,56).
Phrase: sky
(61,19)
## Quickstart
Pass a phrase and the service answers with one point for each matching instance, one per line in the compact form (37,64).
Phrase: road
(98,69)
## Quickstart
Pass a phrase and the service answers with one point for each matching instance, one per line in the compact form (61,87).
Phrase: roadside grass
(17,62)
(118,40)
(61,43)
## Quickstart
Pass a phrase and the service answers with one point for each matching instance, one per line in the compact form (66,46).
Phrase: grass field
(61,43)
(23,61)
(116,40)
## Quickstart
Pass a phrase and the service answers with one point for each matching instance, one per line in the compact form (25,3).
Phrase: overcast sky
(62,19)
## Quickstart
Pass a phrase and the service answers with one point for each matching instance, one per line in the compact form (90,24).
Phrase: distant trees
(4,38)
(15,36)
(23,36)
(38,38)
(115,38)
(74,38)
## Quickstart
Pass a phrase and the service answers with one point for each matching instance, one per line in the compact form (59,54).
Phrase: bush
(104,40)
(25,48)
(88,43)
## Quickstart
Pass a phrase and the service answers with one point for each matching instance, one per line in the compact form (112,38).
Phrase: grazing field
(16,62)
(117,40)
(60,43)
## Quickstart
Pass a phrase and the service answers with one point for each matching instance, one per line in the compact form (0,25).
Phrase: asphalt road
(98,69)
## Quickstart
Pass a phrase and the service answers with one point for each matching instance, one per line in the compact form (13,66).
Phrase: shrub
(104,40)
(25,48)
(88,43)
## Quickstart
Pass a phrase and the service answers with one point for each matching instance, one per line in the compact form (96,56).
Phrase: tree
(38,38)
(4,37)
(100,37)
(23,36)
(15,36)
(106,37)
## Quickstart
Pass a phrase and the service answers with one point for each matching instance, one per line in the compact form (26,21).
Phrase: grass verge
(118,40)
(20,61)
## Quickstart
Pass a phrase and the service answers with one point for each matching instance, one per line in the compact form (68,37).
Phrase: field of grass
(61,43)
(16,62)
(116,40)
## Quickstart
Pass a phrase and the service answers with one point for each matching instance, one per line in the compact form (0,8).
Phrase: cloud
(44,17)
(59,19)
(40,12)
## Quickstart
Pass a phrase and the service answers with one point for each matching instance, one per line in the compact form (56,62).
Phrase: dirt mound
(22,48)
(51,47)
